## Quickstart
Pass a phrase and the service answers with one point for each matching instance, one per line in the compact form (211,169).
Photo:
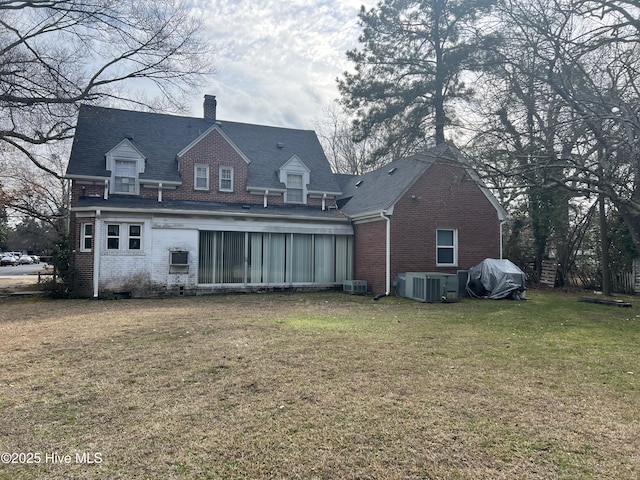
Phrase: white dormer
(126,163)
(295,175)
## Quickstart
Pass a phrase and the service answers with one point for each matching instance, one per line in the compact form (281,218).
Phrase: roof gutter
(256,213)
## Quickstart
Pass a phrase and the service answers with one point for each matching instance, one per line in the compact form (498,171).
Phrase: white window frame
(125,151)
(124,237)
(131,237)
(111,236)
(197,177)
(301,189)
(223,178)
(453,248)
(84,236)
(132,180)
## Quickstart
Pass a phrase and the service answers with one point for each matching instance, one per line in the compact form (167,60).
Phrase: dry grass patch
(321,386)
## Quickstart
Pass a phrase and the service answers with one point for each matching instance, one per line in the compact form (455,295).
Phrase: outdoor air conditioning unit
(431,287)
(355,286)
(178,261)
(179,258)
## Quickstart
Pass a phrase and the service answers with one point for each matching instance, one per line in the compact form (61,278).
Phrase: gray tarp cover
(495,279)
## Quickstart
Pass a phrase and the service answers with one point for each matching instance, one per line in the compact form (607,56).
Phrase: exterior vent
(390,172)
(358,183)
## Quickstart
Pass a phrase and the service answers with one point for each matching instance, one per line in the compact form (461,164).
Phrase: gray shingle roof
(160,137)
(379,190)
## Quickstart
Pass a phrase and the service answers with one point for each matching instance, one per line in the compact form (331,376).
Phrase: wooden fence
(623,282)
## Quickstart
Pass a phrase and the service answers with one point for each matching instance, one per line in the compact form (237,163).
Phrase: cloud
(277,60)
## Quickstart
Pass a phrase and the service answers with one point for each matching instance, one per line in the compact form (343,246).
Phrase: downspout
(388,256)
(160,192)
(96,253)
(264,201)
(502,222)
(106,190)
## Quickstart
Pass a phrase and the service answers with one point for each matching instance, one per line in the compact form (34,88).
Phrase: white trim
(224,167)
(207,177)
(454,247)
(84,237)
(259,213)
(120,151)
(295,166)
(97,242)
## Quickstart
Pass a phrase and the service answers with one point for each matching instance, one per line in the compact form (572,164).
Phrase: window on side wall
(201,177)
(86,237)
(294,188)
(226,179)
(447,247)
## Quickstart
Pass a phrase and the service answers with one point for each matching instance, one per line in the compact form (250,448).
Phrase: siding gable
(127,151)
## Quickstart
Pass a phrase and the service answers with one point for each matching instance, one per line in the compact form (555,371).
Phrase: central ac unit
(431,287)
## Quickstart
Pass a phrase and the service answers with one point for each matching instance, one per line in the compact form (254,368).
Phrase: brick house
(424,213)
(164,204)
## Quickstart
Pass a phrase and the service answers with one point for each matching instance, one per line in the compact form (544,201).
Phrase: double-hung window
(294,188)
(201,174)
(226,179)
(86,237)
(125,177)
(447,247)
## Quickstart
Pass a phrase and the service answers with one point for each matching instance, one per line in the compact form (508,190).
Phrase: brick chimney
(210,105)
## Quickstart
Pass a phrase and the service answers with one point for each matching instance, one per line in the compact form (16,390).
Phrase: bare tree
(344,153)
(56,54)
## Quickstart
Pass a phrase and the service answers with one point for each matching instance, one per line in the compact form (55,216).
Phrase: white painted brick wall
(148,268)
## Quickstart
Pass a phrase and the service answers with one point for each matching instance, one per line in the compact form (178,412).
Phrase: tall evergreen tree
(408,72)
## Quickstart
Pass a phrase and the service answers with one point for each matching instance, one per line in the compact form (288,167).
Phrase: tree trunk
(604,245)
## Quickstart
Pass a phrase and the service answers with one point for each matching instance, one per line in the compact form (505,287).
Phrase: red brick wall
(370,254)
(444,197)
(213,150)
(82,261)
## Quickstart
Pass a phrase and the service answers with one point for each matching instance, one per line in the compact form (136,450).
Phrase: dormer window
(294,188)
(295,176)
(125,177)
(126,163)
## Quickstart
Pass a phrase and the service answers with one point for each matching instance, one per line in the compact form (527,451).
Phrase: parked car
(25,260)
(8,259)
(36,258)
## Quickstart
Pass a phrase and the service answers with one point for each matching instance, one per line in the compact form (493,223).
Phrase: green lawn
(320,386)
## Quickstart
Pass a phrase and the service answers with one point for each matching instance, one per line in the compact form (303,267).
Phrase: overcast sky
(277,60)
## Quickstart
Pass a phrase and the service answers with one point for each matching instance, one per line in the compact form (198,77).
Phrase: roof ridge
(191,117)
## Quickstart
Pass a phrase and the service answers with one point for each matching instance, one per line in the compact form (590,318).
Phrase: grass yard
(319,386)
